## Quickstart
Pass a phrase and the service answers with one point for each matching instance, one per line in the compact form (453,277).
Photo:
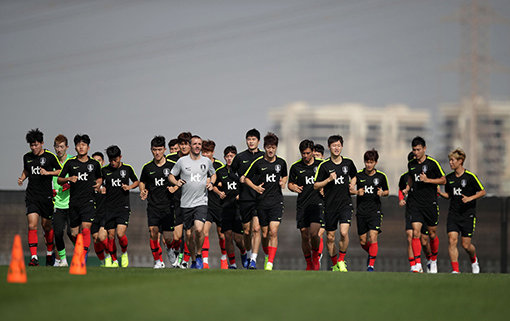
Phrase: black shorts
(116,217)
(339,216)
(231,220)
(43,207)
(85,213)
(214,215)
(313,213)
(248,211)
(427,215)
(178,218)
(463,224)
(162,218)
(409,225)
(273,214)
(192,214)
(99,221)
(366,223)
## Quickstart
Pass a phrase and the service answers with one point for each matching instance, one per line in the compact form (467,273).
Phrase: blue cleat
(370,268)
(244,260)
(200,262)
(193,265)
(252,265)
(232,267)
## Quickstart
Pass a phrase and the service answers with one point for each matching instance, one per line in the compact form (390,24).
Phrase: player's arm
(62,179)
(437,181)
(384,190)
(479,194)
(320,182)
(210,184)
(143,191)
(133,178)
(98,185)
(50,173)
(257,188)
(23,177)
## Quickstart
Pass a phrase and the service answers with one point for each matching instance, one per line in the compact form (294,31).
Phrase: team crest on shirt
(278,168)
(315,169)
(345,170)
(424,168)
(463,183)
(90,167)
(42,160)
(202,167)
(166,171)
(123,173)
(376,181)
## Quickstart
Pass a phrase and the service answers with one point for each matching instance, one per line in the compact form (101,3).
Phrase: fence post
(504,234)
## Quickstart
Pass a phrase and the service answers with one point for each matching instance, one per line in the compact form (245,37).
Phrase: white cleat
(183,265)
(63,263)
(159,264)
(57,262)
(417,268)
(455,272)
(433,267)
(171,256)
(475,267)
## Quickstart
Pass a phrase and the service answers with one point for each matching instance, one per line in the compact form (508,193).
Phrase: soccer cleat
(335,268)
(342,266)
(115,264)
(455,272)
(101,263)
(269,266)
(171,256)
(124,260)
(63,263)
(370,268)
(206,266)
(50,259)
(57,262)
(224,264)
(252,265)
(232,267)
(417,268)
(108,261)
(433,267)
(200,262)
(159,264)
(266,258)
(244,260)
(183,265)
(475,267)
(427,267)
(177,260)
(33,261)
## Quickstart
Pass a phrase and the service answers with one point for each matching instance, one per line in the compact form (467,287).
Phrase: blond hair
(458,153)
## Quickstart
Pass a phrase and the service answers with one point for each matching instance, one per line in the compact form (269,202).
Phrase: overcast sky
(124,71)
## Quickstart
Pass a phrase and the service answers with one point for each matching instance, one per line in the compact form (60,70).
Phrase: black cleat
(33,262)
(50,259)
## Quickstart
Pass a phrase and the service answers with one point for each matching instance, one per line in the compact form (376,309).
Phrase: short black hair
(184,137)
(172,142)
(113,152)
(372,155)
(335,138)
(158,141)
(208,145)
(306,144)
(318,148)
(253,133)
(418,141)
(98,154)
(34,135)
(230,149)
(81,138)
(410,156)
(270,139)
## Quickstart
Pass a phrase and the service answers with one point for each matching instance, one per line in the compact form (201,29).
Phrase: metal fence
(491,237)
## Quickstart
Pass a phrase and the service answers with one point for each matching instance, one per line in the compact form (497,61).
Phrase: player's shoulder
(297,163)
(471,174)
(281,159)
(51,154)
(404,174)
(432,160)
(381,173)
(221,169)
(70,160)
(147,165)
(450,175)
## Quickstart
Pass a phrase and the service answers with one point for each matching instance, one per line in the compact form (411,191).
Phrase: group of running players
(187,190)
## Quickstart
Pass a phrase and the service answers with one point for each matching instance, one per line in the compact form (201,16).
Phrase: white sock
(34,257)
(248,253)
(48,253)
(223,257)
(254,256)
(206,260)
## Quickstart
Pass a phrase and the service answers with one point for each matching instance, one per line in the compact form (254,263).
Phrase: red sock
(187,254)
(266,250)
(123,242)
(99,249)
(177,245)
(308,259)
(321,246)
(434,247)
(372,252)
(105,244)
(341,256)
(232,258)
(205,248)
(271,254)
(455,266)
(49,240)
(412,262)
(86,239)
(156,250)
(473,259)
(168,245)
(32,241)
(417,250)
(334,260)
(366,246)
(112,248)
(222,247)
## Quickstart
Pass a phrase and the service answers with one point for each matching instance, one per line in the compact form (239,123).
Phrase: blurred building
(485,138)
(388,129)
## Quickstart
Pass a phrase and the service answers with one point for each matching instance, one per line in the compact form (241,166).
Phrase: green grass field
(147,294)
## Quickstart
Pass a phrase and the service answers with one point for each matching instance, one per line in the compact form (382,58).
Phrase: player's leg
(331,220)
(416,244)
(223,250)
(111,259)
(343,244)
(467,229)
(255,240)
(237,229)
(305,247)
(410,253)
(434,247)
(246,212)
(315,244)
(453,238)
(265,242)
(155,247)
(272,244)
(59,224)
(322,230)
(122,222)
(373,249)
(206,245)
(200,218)
(47,225)
(33,222)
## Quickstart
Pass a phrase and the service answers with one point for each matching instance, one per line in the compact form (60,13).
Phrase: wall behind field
(392,254)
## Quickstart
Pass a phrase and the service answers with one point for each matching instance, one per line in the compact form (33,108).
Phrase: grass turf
(147,294)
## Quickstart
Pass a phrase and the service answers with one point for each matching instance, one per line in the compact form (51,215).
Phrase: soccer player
(337,176)
(227,188)
(155,189)
(310,203)
(425,173)
(98,231)
(197,175)
(61,203)
(463,189)
(173,146)
(247,206)
(116,178)
(83,173)
(267,175)
(214,210)
(39,166)
(371,186)
(402,183)
(318,153)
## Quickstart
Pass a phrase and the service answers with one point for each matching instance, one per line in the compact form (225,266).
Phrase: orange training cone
(17,272)
(78,262)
